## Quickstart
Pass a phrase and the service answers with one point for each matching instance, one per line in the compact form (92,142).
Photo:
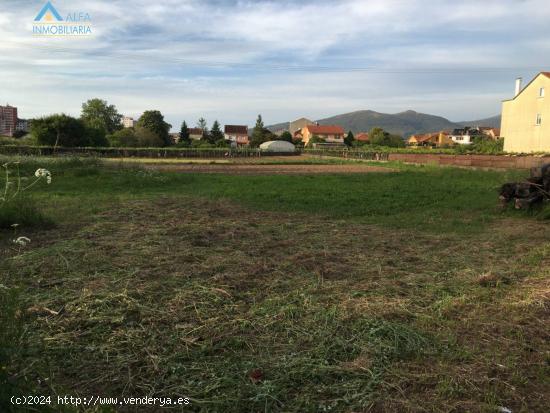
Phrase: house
(195,133)
(8,120)
(428,139)
(330,133)
(237,134)
(298,124)
(23,125)
(362,137)
(128,122)
(465,136)
(493,133)
(525,124)
(438,139)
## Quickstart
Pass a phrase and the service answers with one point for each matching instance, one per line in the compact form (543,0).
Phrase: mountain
(279,126)
(493,122)
(404,123)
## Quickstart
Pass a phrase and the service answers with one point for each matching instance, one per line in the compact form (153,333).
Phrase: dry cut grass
(271,311)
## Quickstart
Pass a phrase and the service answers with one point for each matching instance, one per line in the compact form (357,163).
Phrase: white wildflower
(44,173)
(22,241)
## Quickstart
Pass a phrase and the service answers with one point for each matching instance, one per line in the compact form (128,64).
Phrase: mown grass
(427,198)
(228,290)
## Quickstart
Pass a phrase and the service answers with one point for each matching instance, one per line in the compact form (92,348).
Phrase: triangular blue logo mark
(48,8)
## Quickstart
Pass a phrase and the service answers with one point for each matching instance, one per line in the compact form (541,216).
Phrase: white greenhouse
(277,146)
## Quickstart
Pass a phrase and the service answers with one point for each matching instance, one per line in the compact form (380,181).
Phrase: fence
(348,154)
(206,153)
(482,161)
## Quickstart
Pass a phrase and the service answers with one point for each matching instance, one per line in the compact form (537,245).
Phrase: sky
(231,60)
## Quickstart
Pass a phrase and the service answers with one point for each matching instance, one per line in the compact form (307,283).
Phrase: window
(539,119)
(541,92)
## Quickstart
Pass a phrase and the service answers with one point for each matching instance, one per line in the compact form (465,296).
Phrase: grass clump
(22,212)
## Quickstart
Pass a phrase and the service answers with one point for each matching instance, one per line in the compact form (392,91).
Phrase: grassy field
(405,291)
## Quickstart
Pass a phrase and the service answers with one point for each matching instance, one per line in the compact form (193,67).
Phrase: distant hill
(279,126)
(493,122)
(404,123)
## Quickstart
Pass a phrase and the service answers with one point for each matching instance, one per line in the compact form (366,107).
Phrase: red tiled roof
(547,74)
(426,137)
(326,129)
(421,138)
(195,131)
(236,129)
(362,137)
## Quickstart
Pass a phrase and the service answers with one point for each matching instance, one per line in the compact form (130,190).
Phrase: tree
(96,137)
(201,124)
(60,130)
(258,133)
(349,139)
(97,114)
(216,133)
(378,136)
(286,136)
(153,121)
(185,138)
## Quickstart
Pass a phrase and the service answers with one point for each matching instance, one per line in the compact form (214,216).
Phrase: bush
(18,134)
(64,130)
(488,145)
(314,139)
(222,143)
(201,143)
(146,138)
(380,137)
(123,138)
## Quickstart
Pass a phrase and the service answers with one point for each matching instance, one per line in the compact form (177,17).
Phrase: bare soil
(259,169)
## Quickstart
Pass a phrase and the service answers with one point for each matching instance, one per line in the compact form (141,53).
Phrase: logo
(48,13)
(50,23)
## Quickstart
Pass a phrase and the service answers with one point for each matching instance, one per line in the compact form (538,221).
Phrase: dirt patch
(258,169)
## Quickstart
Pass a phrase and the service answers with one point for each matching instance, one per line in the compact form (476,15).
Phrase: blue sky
(230,60)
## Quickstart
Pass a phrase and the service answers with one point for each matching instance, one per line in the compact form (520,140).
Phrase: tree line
(100,124)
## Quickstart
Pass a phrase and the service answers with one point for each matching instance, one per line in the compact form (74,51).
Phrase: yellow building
(330,133)
(526,118)
(431,139)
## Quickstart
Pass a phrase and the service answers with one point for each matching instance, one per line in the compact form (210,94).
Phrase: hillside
(493,122)
(404,123)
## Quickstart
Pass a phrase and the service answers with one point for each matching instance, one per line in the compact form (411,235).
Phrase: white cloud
(231,60)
